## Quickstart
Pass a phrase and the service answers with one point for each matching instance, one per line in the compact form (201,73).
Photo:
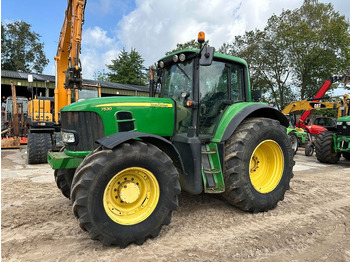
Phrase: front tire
(125,195)
(63,178)
(309,149)
(258,165)
(38,146)
(325,148)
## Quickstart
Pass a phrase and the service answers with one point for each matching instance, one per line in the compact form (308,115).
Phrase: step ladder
(211,169)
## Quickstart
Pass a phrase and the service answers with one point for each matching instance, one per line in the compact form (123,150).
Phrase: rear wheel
(125,195)
(38,145)
(325,148)
(258,163)
(294,141)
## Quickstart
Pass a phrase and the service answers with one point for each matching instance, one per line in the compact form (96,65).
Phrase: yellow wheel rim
(266,166)
(131,196)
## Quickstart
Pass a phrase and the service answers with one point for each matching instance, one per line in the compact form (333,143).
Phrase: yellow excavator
(44,112)
(306,105)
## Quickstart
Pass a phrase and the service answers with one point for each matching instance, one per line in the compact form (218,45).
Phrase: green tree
(127,68)
(268,64)
(21,49)
(297,50)
(192,44)
(101,76)
(318,40)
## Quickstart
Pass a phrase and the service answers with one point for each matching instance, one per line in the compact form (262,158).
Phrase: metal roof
(40,77)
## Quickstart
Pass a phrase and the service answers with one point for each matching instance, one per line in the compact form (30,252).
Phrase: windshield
(177,78)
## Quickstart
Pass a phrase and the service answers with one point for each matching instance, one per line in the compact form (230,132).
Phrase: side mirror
(256,95)
(207,56)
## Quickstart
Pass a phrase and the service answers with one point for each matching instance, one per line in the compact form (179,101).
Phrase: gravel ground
(311,224)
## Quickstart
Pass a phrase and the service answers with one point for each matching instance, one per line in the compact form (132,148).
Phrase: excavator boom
(68,51)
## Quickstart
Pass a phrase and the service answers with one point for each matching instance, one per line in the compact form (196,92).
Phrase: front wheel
(258,164)
(63,178)
(125,195)
(309,149)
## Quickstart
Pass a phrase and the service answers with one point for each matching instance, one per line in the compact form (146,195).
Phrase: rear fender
(251,110)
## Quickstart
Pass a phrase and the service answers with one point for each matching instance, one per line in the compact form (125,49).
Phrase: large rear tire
(38,145)
(324,146)
(125,195)
(258,165)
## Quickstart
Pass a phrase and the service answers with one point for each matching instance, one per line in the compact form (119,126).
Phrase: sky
(152,27)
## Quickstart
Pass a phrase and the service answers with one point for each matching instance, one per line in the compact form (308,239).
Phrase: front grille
(343,129)
(89,127)
(125,121)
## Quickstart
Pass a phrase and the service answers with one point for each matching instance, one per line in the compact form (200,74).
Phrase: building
(44,85)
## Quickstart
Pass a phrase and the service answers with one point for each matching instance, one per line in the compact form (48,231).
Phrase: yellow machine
(306,105)
(40,110)
(44,112)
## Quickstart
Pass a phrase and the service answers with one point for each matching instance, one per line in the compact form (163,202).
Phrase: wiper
(183,71)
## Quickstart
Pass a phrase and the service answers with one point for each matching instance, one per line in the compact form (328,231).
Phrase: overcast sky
(152,27)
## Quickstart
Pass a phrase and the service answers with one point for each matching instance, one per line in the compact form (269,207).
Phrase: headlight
(175,58)
(182,57)
(348,123)
(68,137)
(339,123)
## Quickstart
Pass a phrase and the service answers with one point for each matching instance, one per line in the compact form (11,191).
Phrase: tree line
(289,59)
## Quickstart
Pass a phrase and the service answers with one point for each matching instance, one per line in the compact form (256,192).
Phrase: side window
(237,82)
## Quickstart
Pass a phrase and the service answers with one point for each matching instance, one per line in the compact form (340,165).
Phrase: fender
(163,144)
(252,110)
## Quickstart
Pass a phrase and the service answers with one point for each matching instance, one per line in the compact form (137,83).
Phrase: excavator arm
(68,67)
(308,105)
(318,96)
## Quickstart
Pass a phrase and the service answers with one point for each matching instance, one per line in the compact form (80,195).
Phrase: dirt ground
(311,224)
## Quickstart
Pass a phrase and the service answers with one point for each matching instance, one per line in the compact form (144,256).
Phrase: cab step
(211,169)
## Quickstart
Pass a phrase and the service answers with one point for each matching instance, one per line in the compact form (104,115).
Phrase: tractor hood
(120,114)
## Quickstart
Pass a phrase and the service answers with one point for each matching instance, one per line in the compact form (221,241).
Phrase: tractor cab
(202,90)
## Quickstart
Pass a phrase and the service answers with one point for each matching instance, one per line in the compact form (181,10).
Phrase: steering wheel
(214,103)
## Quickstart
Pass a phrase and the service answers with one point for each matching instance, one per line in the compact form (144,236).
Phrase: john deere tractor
(126,159)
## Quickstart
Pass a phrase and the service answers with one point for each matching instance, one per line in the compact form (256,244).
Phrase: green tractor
(331,145)
(297,137)
(126,159)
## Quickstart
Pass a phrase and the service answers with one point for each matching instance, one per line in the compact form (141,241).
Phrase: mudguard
(163,144)
(252,110)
